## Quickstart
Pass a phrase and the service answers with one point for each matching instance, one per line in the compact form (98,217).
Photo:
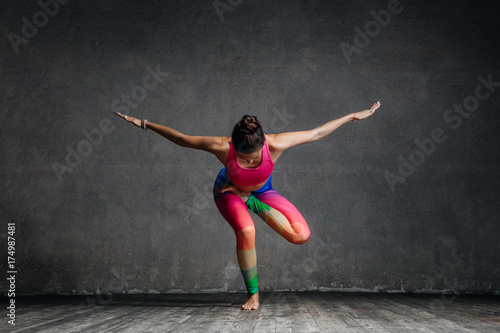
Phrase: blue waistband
(222,179)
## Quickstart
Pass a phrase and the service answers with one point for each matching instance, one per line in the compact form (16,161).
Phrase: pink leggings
(280,215)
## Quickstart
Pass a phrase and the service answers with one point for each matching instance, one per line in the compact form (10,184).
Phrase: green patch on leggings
(252,286)
(256,206)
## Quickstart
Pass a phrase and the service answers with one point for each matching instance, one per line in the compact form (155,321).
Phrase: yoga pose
(248,156)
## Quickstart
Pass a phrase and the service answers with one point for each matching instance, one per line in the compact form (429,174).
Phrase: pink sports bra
(249,176)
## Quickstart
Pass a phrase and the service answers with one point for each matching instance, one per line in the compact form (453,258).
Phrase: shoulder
(285,140)
(273,141)
(220,148)
(222,143)
(275,147)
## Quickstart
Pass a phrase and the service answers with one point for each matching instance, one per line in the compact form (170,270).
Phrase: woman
(248,156)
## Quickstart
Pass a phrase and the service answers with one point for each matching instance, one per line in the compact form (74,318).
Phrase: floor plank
(292,312)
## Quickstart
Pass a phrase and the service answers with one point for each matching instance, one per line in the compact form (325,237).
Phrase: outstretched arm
(283,141)
(212,144)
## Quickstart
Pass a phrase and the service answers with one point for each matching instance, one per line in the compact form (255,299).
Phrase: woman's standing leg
(235,212)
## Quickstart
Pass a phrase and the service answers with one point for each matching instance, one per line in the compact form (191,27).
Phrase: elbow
(316,135)
(180,140)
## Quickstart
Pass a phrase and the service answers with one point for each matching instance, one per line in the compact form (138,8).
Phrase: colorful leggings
(270,206)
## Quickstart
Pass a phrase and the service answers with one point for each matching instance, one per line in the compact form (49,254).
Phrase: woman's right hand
(233,189)
(135,121)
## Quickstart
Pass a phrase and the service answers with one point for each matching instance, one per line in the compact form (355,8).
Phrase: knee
(245,238)
(305,238)
(246,233)
(300,238)
(300,234)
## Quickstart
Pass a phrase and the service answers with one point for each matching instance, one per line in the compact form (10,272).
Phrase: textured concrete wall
(405,201)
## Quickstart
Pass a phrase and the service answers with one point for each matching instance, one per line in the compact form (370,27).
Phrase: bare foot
(252,303)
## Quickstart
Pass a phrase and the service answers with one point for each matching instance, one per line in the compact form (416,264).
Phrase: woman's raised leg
(281,215)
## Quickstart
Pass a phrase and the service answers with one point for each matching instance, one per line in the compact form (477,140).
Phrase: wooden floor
(279,312)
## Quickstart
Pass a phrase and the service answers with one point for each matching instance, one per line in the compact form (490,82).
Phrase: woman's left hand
(366,113)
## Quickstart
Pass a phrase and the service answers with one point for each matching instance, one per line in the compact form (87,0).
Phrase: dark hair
(248,135)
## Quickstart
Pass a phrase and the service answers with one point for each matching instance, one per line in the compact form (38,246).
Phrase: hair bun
(250,124)
(248,135)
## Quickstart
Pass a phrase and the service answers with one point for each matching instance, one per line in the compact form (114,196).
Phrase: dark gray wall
(404,201)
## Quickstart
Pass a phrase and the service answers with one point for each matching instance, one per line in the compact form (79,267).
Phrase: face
(251,157)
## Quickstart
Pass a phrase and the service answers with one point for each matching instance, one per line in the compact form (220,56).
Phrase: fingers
(129,119)
(228,188)
(375,107)
(233,189)
(366,113)
(122,116)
